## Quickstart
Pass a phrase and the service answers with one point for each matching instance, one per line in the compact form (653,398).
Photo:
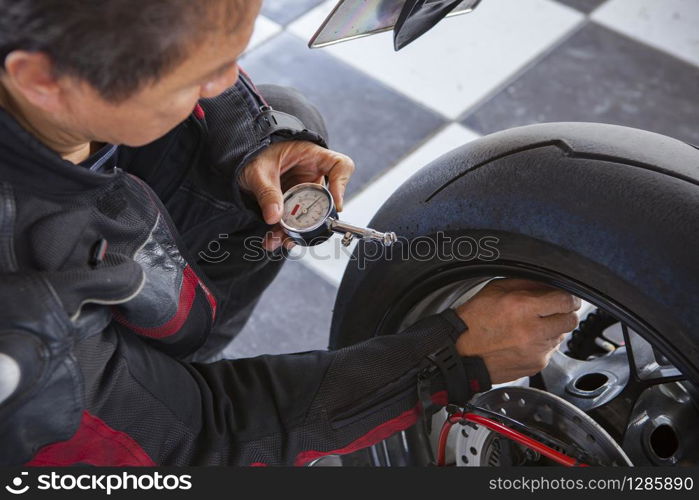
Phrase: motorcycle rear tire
(610,213)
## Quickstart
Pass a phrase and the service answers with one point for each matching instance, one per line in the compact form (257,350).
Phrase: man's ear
(32,75)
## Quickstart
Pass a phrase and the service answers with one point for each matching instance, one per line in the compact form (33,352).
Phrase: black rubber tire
(611,210)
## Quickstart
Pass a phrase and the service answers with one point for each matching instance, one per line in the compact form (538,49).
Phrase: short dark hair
(117,46)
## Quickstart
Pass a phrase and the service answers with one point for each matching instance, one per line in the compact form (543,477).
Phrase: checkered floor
(510,63)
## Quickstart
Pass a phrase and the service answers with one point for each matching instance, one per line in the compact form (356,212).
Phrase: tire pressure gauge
(310,218)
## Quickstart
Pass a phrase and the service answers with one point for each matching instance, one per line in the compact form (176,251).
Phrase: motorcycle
(607,213)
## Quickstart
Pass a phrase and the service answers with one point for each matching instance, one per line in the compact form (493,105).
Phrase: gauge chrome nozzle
(350,232)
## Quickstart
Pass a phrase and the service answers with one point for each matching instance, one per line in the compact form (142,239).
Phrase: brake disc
(541,411)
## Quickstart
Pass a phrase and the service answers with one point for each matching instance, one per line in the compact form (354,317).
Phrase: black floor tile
(586,6)
(293,315)
(600,76)
(366,120)
(285,11)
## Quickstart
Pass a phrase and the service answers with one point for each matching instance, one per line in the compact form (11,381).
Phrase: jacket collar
(29,165)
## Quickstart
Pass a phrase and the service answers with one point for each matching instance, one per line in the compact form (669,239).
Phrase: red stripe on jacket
(377,434)
(198,112)
(188,292)
(94,443)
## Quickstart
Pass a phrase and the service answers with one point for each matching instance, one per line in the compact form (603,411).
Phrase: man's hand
(515,326)
(285,164)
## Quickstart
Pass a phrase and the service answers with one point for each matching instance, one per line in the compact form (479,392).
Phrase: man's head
(120,71)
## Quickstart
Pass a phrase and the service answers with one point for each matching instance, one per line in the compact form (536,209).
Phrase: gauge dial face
(306,208)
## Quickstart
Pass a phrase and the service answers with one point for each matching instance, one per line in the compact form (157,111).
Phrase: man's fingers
(556,341)
(554,327)
(264,183)
(339,176)
(549,302)
(275,238)
(293,162)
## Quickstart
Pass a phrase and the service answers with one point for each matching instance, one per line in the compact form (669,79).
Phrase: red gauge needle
(296,209)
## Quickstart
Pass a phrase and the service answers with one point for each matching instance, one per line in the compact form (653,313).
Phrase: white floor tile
(331,258)
(461,61)
(264,30)
(670,25)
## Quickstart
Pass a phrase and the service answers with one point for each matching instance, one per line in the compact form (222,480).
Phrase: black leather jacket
(102,338)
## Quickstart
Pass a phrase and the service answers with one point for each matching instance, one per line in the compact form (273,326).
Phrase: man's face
(159,107)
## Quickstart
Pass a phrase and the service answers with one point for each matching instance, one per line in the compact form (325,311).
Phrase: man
(127,140)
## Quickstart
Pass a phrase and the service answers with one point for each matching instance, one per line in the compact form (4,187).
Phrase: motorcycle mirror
(411,19)
(420,16)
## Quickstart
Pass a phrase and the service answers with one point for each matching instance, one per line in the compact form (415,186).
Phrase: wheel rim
(441,289)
